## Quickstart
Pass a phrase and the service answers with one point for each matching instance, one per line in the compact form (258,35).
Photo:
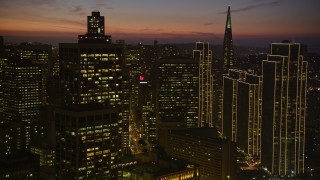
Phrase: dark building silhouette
(3,59)
(284,110)
(87,145)
(1,42)
(13,138)
(223,68)
(228,60)
(177,95)
(157,165)
(22,90)
(40,55)
(95,30)
(21,166)
(44,143)
(313,124)
(148,110)
(35,54)
(177,91)
(203,146)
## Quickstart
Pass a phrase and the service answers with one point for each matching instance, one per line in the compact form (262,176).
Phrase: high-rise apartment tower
(284,110)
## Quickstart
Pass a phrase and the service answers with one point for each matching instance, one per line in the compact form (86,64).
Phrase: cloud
(78,10)
(28,3)
(100,5)
(203,33)
(256,4)
(209,24)
(152,29)
(103,5)
(42,2)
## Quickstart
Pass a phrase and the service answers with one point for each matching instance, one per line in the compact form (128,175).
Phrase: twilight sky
(165,20)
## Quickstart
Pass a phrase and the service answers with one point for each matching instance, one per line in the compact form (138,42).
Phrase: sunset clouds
(185,19)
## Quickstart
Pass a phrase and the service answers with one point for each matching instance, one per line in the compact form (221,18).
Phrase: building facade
(91,71)
(284,110)
(242,110)
(203,146)
(204,55)
(22,90)
(229,107)
(177,91)
(88,144)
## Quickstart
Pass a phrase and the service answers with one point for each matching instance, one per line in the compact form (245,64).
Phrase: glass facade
(177,98)
(87,144)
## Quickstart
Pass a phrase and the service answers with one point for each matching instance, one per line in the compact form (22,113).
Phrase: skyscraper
(40,55)
(3,58)
(242,110)
(223,69)
(228,61)
(22,89)
(91,71)
(229,110)
(203,54)
(148,109)
(87,145)
(177,91)
(284,110)
(35,54)
(249,115)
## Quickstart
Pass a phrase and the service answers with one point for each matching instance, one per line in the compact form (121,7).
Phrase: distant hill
(217,50)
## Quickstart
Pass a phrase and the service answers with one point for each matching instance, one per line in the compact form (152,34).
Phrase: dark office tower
(313,118)
(1,43)
(40,55)
(242,110)
(87,145)
(95,30)
(92,72)
(21,166)
(3,58)
(228,61)
(12,138)
(44,143)
(203,54)
(203,146)
(22,90)
(147,109)
(284,110)
(177,91)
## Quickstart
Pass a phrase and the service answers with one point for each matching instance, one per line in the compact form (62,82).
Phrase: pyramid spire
(228,24)
(228,61)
